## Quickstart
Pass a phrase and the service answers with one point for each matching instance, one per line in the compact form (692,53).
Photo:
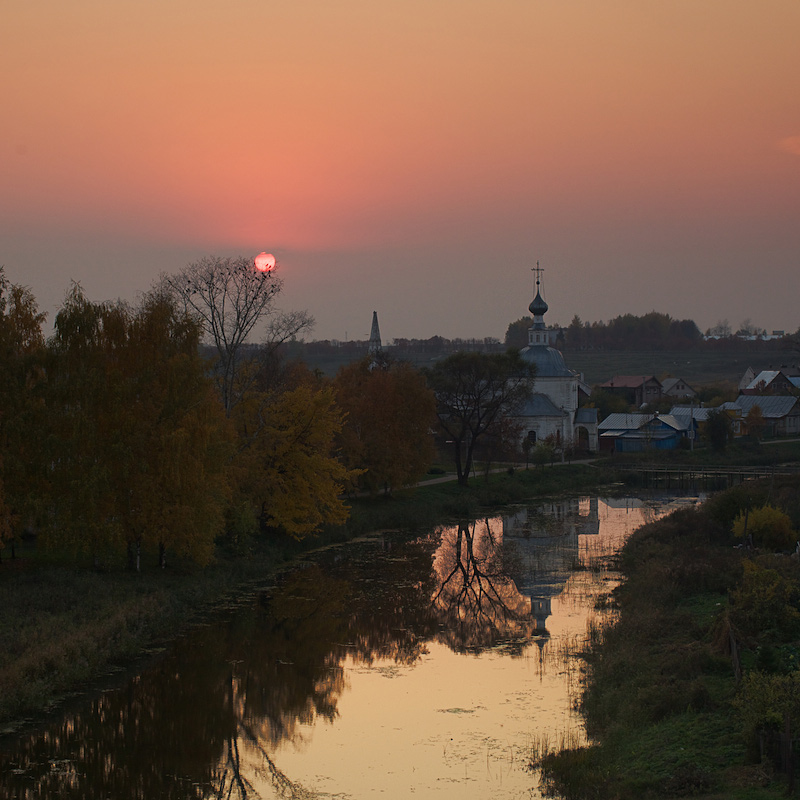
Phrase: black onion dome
(538,307)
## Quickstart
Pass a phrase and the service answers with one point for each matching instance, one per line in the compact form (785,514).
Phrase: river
(397,666)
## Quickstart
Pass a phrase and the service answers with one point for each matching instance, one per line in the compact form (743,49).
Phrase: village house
(637,390)
(677,388)
(771,381)
(633,433)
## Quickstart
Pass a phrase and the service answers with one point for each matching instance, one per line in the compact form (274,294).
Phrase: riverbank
(692,690)
(66,627)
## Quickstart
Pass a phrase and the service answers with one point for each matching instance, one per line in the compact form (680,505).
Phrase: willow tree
(21,350)
(231,300)
(136,434)
(180,443)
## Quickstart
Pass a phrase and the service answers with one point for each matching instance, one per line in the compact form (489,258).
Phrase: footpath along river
(402,665)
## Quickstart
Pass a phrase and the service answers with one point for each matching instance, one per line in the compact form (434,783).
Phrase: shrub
(769,527)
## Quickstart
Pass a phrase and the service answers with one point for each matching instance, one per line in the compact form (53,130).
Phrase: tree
(755,422)
(718,430)
(768,526)
(473,392)
(21,351)
(230,298)
(136,435)
(389,415)
(517,333)
(288,476)
(180,442)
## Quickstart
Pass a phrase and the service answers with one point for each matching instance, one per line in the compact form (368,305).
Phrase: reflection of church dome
(549,361)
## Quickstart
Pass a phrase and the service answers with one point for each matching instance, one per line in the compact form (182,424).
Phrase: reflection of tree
(209,718)
(475,598)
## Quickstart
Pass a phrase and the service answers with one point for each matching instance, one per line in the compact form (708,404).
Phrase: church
(552,411)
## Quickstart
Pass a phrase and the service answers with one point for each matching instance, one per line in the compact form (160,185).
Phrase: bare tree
(230,297)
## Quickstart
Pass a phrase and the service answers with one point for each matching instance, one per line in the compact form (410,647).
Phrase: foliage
(768,702)
(229,297)
(769,527)
(756,422)
(765,601)
(287,473)
(517,333)
(661,701)
(21,347)
(543,453)
(136,438)
(607,402)
(718,430)
(651,331)
(389,415)
(474,391)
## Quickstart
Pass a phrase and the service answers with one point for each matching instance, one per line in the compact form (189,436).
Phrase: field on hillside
(696,367)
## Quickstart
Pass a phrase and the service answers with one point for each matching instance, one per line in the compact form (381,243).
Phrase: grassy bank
(64,625)
(689,691)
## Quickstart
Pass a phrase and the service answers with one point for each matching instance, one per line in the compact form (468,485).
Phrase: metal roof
(549,361)
(540,405)
(773,406)
(623,422)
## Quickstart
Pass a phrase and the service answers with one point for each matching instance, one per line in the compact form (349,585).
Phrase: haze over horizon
(411,158)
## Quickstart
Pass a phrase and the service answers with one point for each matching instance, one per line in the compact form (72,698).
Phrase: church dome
(538,307)
(549,361)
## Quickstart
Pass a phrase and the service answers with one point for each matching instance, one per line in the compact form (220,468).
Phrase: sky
(414,157)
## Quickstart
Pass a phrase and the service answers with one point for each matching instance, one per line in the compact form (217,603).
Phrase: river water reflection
(396,666)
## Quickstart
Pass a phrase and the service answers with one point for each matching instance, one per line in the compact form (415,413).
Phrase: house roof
(540,405)
(623,422)
(699,414)
(619,423)
(669,383)
(773,406)
(766,376)
(629,381)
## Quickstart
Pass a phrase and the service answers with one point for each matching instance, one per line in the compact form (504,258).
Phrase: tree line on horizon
(651,331)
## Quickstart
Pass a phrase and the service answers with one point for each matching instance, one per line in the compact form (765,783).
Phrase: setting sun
(265,262)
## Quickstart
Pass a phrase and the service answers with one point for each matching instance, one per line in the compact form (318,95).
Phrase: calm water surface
(392,668)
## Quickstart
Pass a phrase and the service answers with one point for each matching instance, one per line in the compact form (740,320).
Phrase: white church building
(552,411)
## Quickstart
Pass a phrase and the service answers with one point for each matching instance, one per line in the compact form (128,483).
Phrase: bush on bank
(693,691)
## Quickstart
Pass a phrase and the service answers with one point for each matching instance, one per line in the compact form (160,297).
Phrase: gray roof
(586,416)
(623,422)
(549,361)
(540,405)
(632,422)
(699,414)
(772,405)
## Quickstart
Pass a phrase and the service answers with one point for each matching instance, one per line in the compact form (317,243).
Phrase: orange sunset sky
(415,158)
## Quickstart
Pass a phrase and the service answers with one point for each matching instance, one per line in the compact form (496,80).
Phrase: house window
(532,437)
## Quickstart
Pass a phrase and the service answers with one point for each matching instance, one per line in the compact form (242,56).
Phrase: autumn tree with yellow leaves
(137,437)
